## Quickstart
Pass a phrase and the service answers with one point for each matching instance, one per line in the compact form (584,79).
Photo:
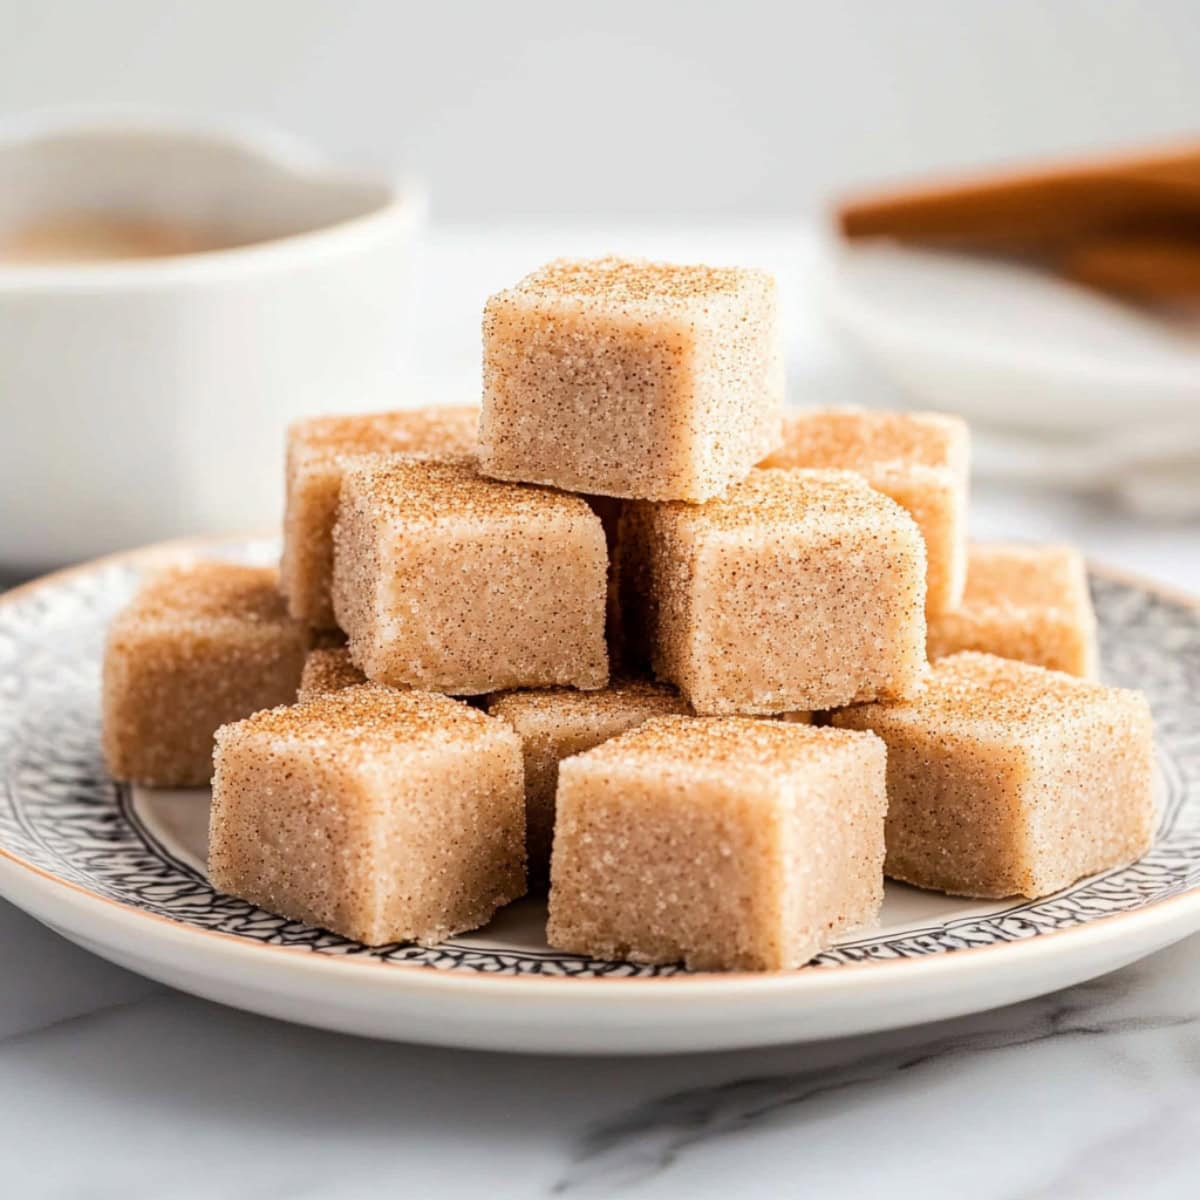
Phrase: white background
(627,109)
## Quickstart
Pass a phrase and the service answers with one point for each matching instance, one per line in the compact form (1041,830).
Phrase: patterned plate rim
(1182,908)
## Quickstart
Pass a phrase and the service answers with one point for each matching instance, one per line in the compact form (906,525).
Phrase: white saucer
(1009,346)
(121,873)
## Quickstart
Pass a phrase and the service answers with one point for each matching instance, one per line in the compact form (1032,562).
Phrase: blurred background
(723,132)
(630,111)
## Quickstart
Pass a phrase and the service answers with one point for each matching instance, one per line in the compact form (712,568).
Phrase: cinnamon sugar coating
(798,590)
(554,723)
(447,580)
(318,452)
(919,459)
(381,815)
(1026,602)
(328,669)
(726,843)
(1007,779)
(197,646)
(627,378)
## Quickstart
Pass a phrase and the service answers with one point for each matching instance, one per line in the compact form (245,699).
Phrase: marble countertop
(114,1087)
(111,1086)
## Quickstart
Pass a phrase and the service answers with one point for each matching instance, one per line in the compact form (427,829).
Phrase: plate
(1010,346)
(121,872)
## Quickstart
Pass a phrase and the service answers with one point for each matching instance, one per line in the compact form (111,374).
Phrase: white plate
(1010,346)
(121,873)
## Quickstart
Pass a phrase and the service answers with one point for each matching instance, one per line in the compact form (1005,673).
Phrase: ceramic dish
(121,872)
(1008,346)
(300,305)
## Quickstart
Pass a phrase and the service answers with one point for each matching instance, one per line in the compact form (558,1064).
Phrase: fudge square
(449,581)
(918,459)
(1025,602)
(328,669)
(199,645)
(797,590)
(318,452)
(554,723)
(631,378)
(728,843)
(1007,779)
(382,815)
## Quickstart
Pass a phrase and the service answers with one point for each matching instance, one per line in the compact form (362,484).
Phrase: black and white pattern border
(61,813)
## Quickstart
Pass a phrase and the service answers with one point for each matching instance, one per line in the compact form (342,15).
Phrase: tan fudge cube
(1007,779)
(328,669)
(554,723)
(199,645)
(1025,602)
(318,452)
(798,590)
(918,459)
(382,815)
(630,378)
(446,580)
(727,843)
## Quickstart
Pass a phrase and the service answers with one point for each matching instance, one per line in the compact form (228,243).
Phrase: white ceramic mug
(143,398)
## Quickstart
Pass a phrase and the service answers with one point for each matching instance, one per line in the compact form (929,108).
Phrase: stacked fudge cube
(200,644)
(316,805)
(632,630)
(319,452)
(447,580)
(795,590)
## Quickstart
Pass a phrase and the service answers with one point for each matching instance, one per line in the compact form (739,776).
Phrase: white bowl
(143,397)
